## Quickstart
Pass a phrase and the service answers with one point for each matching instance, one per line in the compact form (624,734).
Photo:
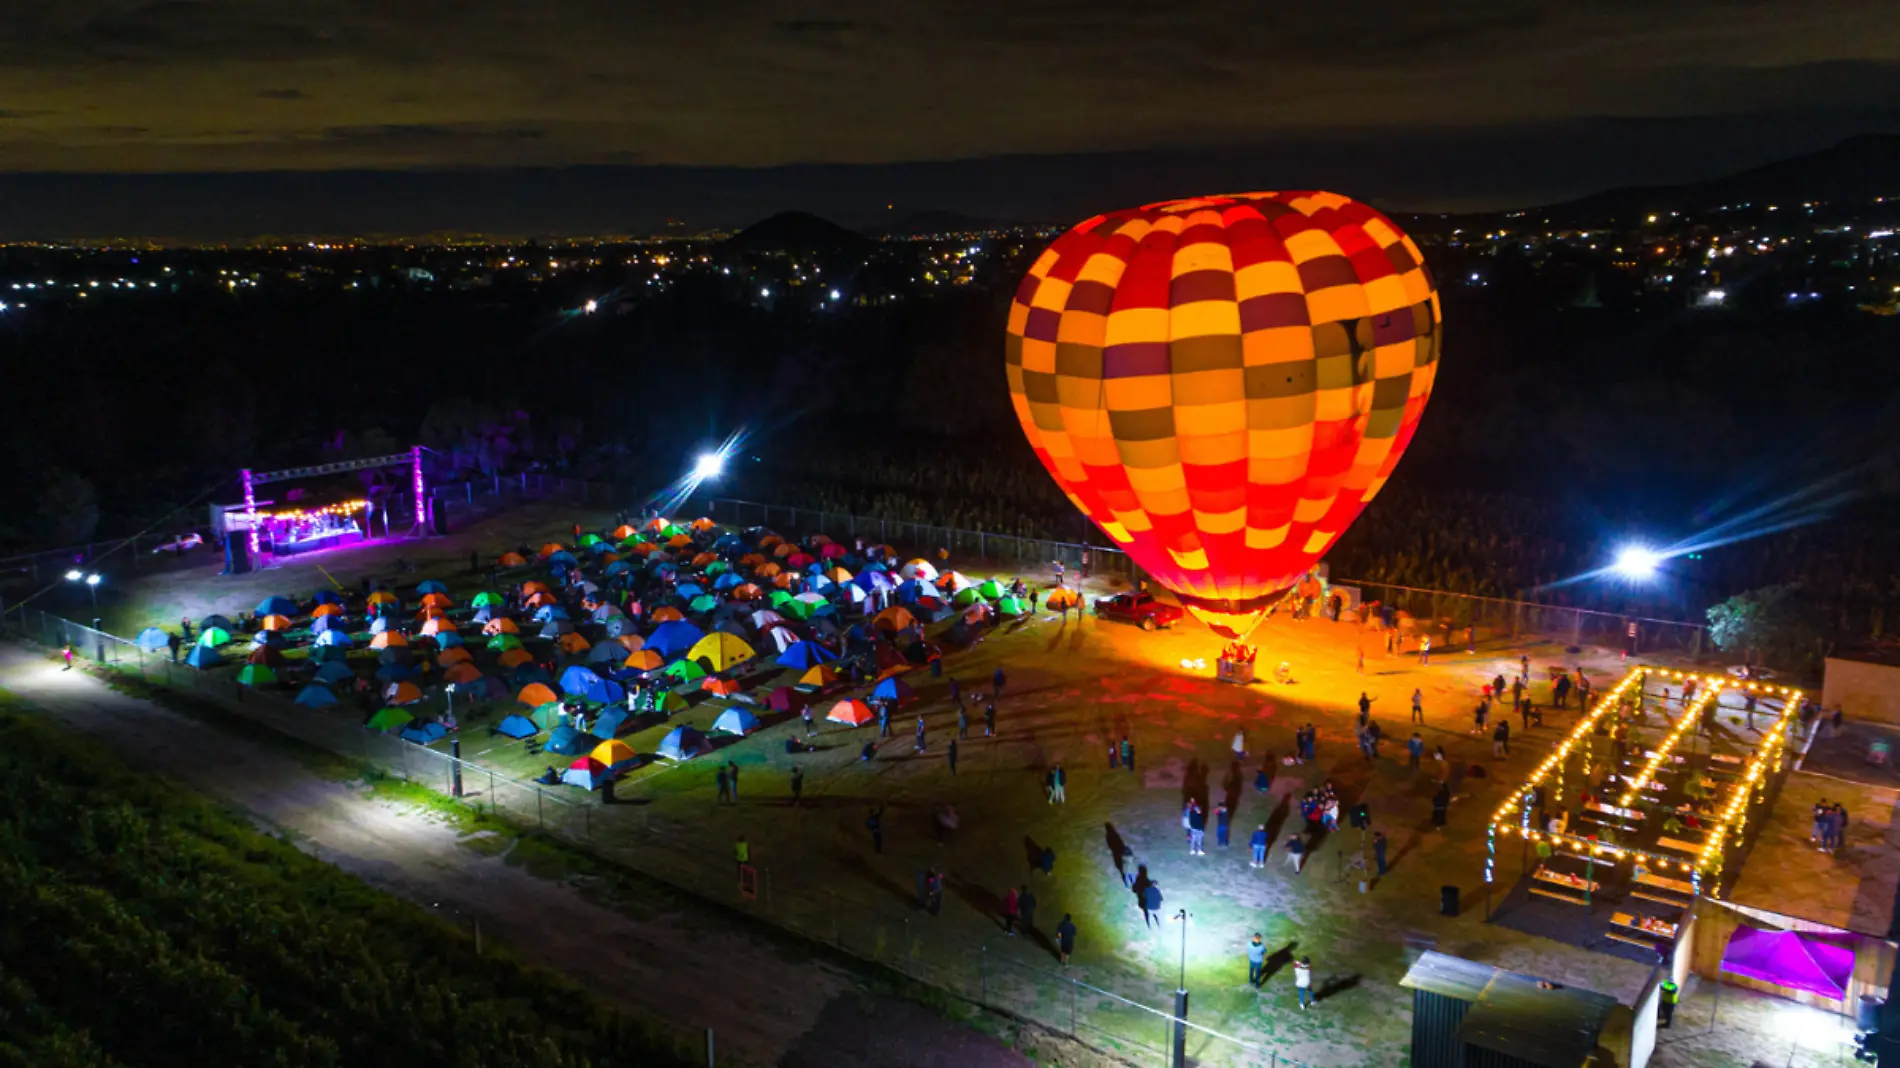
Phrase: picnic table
(1573,884)
(1651,887)
(1643,930)
(1678,845)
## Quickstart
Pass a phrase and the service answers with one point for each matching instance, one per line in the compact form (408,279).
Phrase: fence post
(983,976)
(540,819)
(1072,1000)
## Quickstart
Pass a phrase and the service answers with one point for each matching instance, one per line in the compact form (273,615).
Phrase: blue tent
(203,656)
(549,612)
(333,671)
(326,597)
(316,695)
(554,628)
(151,639)
(893,689)
(673,639)
(273,639)
(379,624)
(803,656)
(325,624)
(423,734)
(526,674)
(577,679)
(277,606)
(607,653)
(684,743)
(909,590)
(517,727)
(689,590)
(567,741)
(872,580)
(606,693)
(395,672)
(616,626)
(486,688)
(618,567)
(429,586)
(729,541)
(736,720)
(338,638)
(323,654)
(448,639)
(609,723)
(562,560)
(214,620)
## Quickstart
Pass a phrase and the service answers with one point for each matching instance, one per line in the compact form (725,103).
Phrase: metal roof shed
(1471,1015)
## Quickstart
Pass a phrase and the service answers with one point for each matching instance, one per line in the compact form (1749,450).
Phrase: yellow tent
(720,650)
(820,675)
(614,753)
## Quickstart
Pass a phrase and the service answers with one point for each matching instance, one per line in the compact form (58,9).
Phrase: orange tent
(572,643)
(853,713)
(503,625)
(438,600)
(784,548)
(453,656)
(431,612)
(512,560)
(678,541)
(746,592)
(702,523)
(644,660)
(821,676)
(536,694)
(768,570)
(896,617)
(273,623)
(326,610)
(388,639)
(768,541)
(887,550)
(838,574)
(783,582)
(722,687)
(438,625)
(633,643)
(703,559)
(382,597)
(1063,597)
(623,532)
(513,658)
(402,693)
(529,588)
(551,548)
(818,540)
(461,673)
(752,560)
(539,599)
(666,615)
(608,558)
(640,548)
(657,524)
(894,669)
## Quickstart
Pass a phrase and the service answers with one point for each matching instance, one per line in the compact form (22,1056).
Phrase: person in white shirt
(1303,981)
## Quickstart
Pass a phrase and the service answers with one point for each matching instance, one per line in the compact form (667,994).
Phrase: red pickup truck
(1140,609)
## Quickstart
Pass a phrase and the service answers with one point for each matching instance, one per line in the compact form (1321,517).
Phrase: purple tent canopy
(1788,959)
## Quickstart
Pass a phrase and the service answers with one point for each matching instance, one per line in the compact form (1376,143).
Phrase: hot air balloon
(1222,384)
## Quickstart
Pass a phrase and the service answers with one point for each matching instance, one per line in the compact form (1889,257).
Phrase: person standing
(963,721)
(920,734)
(989,719)
(725,786)
(173,641)
(1501,739)
(1012,910)
(1065,939)
(875,824)
(1424,650)
(1240,745)
(883,720)
(1026,905)
(1197,830)
(1114,755)
(1223,817)
(1296,852)
(997,679)
(1365,709)
(741,853)
(1151,904)
(951,755)
(1258,841)
(1418,706)
(804,713)
(1441,805)
(732,772)
(1303,981)
(66,653)
(1378,850)
(1128,753)
(1058,786)
(1256,959)
(956,692)
(798,785)
(1414,748)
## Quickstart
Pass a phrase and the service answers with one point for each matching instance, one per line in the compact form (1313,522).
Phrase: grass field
(1075,686)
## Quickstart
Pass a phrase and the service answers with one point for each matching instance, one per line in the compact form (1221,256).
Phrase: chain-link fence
(995,978)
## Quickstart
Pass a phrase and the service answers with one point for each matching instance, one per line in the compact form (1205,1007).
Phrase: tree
(1771,624)
(68,508)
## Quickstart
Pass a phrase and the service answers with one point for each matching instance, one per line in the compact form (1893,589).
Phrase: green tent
(673,703)
(214,637)
(966,596)
(685,670)
(257,675)
(796,608)
(718,567)
(487,599)
(990,589)
(779,597)
(590,539)
(548,716)
(1012,606)
(632,540)
(674,530)
(389,719)
(501,643)
(705,602)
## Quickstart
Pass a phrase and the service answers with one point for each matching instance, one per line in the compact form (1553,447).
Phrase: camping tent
(315,695)
(586,773)
(850,713)
(608,723)
(565,740)
(684,743)
(673,639)
(256,675)
(334,671)
(805,655)
(736,721)
(517,727)
(389,719)
(1786,958)
(895,690)
(615,754)
(151,639)
(423,734)
(720,651)
(203,656)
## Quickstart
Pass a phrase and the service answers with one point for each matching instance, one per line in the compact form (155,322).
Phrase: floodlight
(92,580)
(709,465)
(1636,562)
(74,576)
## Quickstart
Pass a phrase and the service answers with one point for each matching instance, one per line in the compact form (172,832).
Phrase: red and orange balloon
(1222,384)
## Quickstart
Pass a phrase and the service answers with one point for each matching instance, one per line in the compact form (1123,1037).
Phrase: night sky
(700,107)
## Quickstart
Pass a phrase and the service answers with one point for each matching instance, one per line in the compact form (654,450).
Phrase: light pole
(92,584)
(1179,1058)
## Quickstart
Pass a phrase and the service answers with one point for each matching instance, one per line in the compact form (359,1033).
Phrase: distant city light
(1636,562)
(765,292)
(834,296)
(590,307)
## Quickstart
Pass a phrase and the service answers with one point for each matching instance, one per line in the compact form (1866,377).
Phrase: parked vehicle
(1140,609)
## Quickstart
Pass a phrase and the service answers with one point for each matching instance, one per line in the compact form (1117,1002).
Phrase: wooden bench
(1557,896)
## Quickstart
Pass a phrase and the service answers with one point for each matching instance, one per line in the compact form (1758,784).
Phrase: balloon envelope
(1222,384)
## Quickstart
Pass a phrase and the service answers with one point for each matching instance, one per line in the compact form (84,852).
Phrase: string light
(345,508)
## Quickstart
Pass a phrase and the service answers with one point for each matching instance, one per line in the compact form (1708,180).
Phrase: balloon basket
(1235,664)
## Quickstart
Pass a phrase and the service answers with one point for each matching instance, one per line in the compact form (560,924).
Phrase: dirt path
(686,968)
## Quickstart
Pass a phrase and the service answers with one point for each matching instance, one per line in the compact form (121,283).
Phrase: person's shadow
(1117,847)
(1194,782)
(1277,960)
(1337,985)
(1276,819)
(1231,786)
(1032,853)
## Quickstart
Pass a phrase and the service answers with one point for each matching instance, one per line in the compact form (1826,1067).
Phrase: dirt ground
(1073,687)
